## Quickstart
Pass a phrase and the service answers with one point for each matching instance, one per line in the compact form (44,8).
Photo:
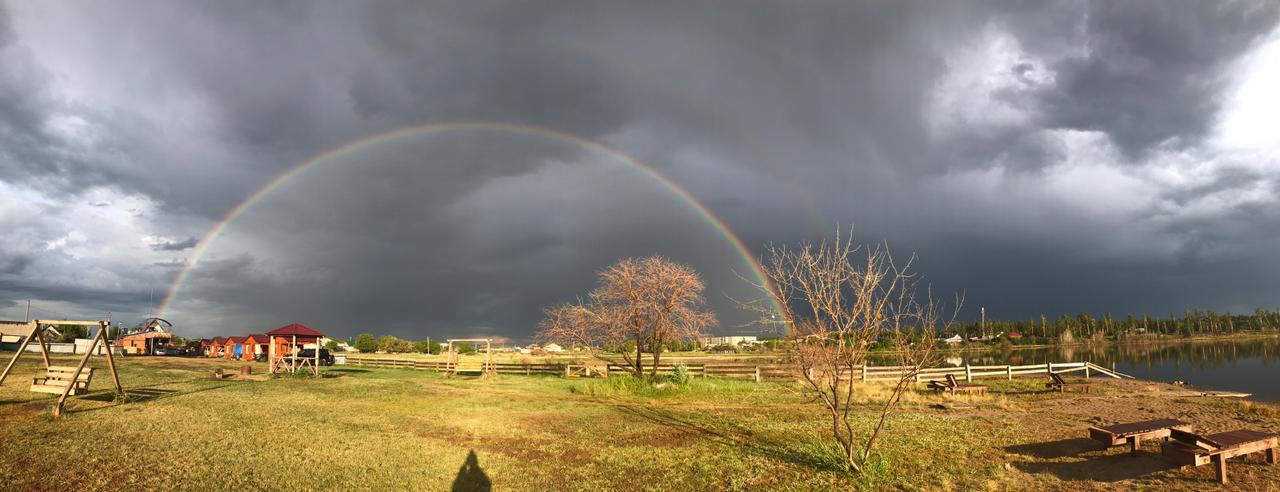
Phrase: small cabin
(216,347)
(234,348)
(255,345)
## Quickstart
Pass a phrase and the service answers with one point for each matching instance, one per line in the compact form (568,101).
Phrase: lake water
(1247,366)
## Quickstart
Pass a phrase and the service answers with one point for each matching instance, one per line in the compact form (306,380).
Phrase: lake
(1247,366)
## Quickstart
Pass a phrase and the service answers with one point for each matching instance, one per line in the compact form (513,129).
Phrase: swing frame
(38,328)
(451,365)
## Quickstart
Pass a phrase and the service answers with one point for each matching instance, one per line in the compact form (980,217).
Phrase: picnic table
(1134,433)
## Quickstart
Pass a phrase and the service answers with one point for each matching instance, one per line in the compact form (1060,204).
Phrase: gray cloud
(168,245)
(1044,158)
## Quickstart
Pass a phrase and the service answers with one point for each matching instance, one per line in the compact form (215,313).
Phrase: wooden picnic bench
(57,378)
(1135,432)
(1061,384)
(950,384)
(1190,449)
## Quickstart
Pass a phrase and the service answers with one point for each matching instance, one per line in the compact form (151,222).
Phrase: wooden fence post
(1009,371)
(864,373)
(968,373)
(1086,370)
(757,374)
(1048,367)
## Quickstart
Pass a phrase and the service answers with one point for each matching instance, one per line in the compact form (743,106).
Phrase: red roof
(237,340)
(294,330)
(257,338)
(218,340)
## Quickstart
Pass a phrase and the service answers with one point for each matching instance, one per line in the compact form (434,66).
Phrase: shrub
(366,343)
(393,345)
(680,375)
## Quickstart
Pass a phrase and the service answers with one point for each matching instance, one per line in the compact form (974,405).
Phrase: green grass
(376,428)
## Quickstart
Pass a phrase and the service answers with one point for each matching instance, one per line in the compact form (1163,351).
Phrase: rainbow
(198,251)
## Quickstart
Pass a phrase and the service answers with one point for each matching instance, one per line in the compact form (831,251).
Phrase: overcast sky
(1043,159)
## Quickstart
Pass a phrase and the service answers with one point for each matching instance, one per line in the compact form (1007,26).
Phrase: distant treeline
(1190,323)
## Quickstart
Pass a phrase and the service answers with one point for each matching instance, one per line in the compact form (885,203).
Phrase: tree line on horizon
(1192,322)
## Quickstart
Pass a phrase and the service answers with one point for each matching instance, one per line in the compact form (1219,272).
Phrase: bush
(366,343)
(393,345)
(680,375)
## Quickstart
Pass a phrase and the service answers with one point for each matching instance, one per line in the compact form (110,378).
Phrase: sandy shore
(1058,455)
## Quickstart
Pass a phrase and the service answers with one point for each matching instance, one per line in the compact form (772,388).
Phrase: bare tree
(650,302)
(838,299)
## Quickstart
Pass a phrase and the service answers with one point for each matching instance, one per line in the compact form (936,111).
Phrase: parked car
(165,350)
(326,359)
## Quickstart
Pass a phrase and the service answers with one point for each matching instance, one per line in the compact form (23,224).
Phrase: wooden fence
(759,372)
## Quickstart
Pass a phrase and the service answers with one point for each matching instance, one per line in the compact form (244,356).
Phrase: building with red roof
(285,343)
(254,345)
(216,346)
(234,347)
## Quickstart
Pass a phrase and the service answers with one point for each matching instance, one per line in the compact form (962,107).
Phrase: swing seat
(58,378)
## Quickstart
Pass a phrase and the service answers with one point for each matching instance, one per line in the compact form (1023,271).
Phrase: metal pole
(28,320)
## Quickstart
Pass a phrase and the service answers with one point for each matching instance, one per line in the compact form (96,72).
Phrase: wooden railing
(758,372)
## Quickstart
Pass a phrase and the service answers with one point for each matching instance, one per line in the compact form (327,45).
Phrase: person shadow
(471,478)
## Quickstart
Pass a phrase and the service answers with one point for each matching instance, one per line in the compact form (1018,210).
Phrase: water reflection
(1250,366)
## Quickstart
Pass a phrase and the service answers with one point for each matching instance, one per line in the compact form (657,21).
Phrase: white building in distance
(729,340)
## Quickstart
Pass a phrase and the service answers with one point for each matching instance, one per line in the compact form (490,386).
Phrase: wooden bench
(1189,449)
(58,378)
(1061,384)
(954,386)
(1134,433)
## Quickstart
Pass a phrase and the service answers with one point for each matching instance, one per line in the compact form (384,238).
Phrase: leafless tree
(837,299)
(650,301)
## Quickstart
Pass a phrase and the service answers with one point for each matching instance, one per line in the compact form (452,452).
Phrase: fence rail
(760,372)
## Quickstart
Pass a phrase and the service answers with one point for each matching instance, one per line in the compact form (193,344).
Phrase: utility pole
(28,320)
(984,321)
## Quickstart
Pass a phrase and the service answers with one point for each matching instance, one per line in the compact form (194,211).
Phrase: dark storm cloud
(951,129)
(1152,71)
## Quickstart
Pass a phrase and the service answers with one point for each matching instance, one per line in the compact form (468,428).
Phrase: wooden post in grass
(968,373)
(111,360)
(44,350)
(864,373)
(757,373)
(1048,367)
(1086,370)
(1009,371)
(57,407)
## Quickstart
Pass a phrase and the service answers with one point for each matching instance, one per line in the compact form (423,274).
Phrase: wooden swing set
(64,380)
(486,369)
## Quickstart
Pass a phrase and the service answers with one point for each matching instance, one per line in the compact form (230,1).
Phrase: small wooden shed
(285,343)
(234,347)
(216,345)
(255,344)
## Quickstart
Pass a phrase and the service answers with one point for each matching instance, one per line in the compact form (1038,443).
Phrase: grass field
(374,428)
